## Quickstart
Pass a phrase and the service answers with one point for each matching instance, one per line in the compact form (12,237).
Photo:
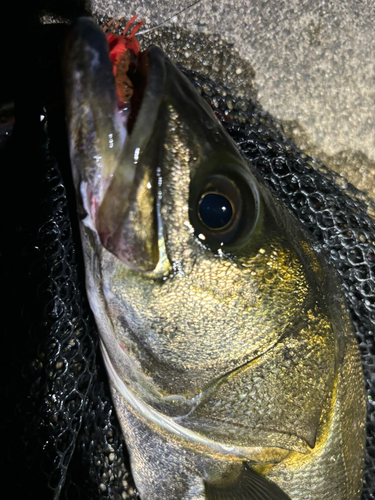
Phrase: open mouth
(128,219)
(112,112)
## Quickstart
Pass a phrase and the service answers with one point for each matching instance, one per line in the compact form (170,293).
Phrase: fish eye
(215,211)
(223,209)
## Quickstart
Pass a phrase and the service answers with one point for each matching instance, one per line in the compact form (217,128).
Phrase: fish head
(188,240)
(206,290)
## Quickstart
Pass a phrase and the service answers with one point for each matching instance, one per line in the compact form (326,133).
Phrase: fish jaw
(99,142)
(95,128)
(128,282)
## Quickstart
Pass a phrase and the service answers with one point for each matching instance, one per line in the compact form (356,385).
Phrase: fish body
(232,360)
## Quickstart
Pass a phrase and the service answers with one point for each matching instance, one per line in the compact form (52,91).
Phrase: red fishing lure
(123,52)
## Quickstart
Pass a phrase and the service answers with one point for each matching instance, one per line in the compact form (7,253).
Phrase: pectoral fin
(249,485)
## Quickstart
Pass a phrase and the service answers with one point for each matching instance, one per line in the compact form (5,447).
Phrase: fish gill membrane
(232,360)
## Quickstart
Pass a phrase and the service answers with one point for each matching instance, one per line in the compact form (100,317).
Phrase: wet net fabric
(71,422)
(73,415)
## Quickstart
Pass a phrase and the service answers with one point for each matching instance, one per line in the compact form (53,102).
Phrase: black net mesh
(65,363)
(72,433)
(72,412)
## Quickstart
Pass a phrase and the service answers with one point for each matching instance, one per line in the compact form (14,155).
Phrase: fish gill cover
(71,422)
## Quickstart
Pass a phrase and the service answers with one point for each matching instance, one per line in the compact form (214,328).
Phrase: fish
(232,359)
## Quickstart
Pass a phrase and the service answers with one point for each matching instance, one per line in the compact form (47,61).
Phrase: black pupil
(215,210)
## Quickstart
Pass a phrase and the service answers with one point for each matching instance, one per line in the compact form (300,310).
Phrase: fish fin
(249,485)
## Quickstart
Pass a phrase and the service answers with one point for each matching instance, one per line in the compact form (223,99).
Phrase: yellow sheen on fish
(233,364)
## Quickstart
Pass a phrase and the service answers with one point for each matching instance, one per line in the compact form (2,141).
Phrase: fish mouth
(115,148)
(128,220)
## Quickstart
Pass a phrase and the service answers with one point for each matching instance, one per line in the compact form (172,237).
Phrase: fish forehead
(194,266)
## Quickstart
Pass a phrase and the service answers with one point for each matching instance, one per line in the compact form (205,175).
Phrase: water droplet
(136,155)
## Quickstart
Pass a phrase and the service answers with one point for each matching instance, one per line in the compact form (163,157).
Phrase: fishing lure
(123,52)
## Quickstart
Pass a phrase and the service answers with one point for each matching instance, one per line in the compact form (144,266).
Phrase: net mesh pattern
(70,410)
(65,363)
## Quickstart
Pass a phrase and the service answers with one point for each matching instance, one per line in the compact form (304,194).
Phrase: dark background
(30,76)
